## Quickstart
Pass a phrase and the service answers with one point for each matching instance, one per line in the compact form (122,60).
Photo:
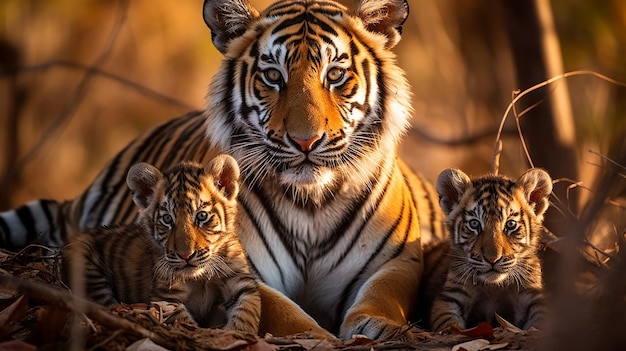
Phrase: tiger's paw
(380,328)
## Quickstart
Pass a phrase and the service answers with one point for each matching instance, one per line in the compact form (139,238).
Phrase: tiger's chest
(319,258)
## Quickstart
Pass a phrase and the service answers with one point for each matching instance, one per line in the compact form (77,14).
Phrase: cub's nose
(186,255)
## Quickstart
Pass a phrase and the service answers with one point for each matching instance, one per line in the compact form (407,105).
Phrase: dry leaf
(508,325)
(359,340)
(482,330)
(496,346)
(145,345)
(473,345)
(478,345)
(14,312)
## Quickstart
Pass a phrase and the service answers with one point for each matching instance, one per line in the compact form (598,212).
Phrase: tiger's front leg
(280,316)
(380,310)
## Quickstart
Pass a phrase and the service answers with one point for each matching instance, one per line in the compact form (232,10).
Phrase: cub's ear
(142,179)
(384,17)
(451,184)
(225,172)
(537,186)
(227,19)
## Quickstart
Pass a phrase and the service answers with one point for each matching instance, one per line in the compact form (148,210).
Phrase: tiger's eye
(474,224)
(201,216)
(511,224)
(335,74)
(273,76)
(167,219)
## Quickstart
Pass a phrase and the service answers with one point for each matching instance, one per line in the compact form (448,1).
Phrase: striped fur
(184,250)
(311,103)
(495,225)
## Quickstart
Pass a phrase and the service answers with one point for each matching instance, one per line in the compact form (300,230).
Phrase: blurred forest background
(80,79)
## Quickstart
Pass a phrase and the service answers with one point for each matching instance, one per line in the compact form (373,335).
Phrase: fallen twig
(55,296)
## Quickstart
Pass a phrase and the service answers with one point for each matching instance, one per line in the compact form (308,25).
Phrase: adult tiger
(310,102)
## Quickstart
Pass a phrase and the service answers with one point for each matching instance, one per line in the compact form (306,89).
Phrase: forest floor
(38,313)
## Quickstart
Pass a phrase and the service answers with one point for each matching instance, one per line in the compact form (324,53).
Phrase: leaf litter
(37,312)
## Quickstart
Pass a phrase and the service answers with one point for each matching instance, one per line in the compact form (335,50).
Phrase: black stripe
(46,206)
(446,316)
(6,236)
(283,233)
(340,232)
(409,228)
(269,250)
(323,247)
(175,153)
(230,88)
(347,291)
(148,150)
(28,221)
(431,205)
(285,8)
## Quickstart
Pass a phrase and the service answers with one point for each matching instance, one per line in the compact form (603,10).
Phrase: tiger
(492,263)
(184,248)
(310,101)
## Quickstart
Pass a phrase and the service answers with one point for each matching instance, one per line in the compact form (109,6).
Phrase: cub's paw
(169,312)
(243,325)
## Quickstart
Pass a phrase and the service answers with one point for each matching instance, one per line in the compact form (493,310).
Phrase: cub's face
(493,236)
(191,226)
(190,213)
(495,224)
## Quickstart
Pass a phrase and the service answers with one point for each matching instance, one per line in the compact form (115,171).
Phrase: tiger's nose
(305,145)
(492,260)
(186,255)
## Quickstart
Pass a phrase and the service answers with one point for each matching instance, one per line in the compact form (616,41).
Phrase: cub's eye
(273,76)
(167,220)
(201,217)
(473,224)
(334,75)
(510,225)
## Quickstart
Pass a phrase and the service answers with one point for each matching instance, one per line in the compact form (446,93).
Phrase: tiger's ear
(142,179)
(451,184)
(385,17)
(537,186)
(227,19)
(225,172)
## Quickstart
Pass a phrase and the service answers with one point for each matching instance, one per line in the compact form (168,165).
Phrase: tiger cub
(495,227)
(183,250)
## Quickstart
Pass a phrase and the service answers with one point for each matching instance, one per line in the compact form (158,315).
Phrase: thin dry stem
(519,96)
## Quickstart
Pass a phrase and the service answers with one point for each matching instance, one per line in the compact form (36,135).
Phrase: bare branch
(55,296)
(459,141)
(547,82)
(141,89)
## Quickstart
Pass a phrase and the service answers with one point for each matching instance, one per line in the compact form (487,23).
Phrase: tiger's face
(190,212)
(308,93)
(495,224)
